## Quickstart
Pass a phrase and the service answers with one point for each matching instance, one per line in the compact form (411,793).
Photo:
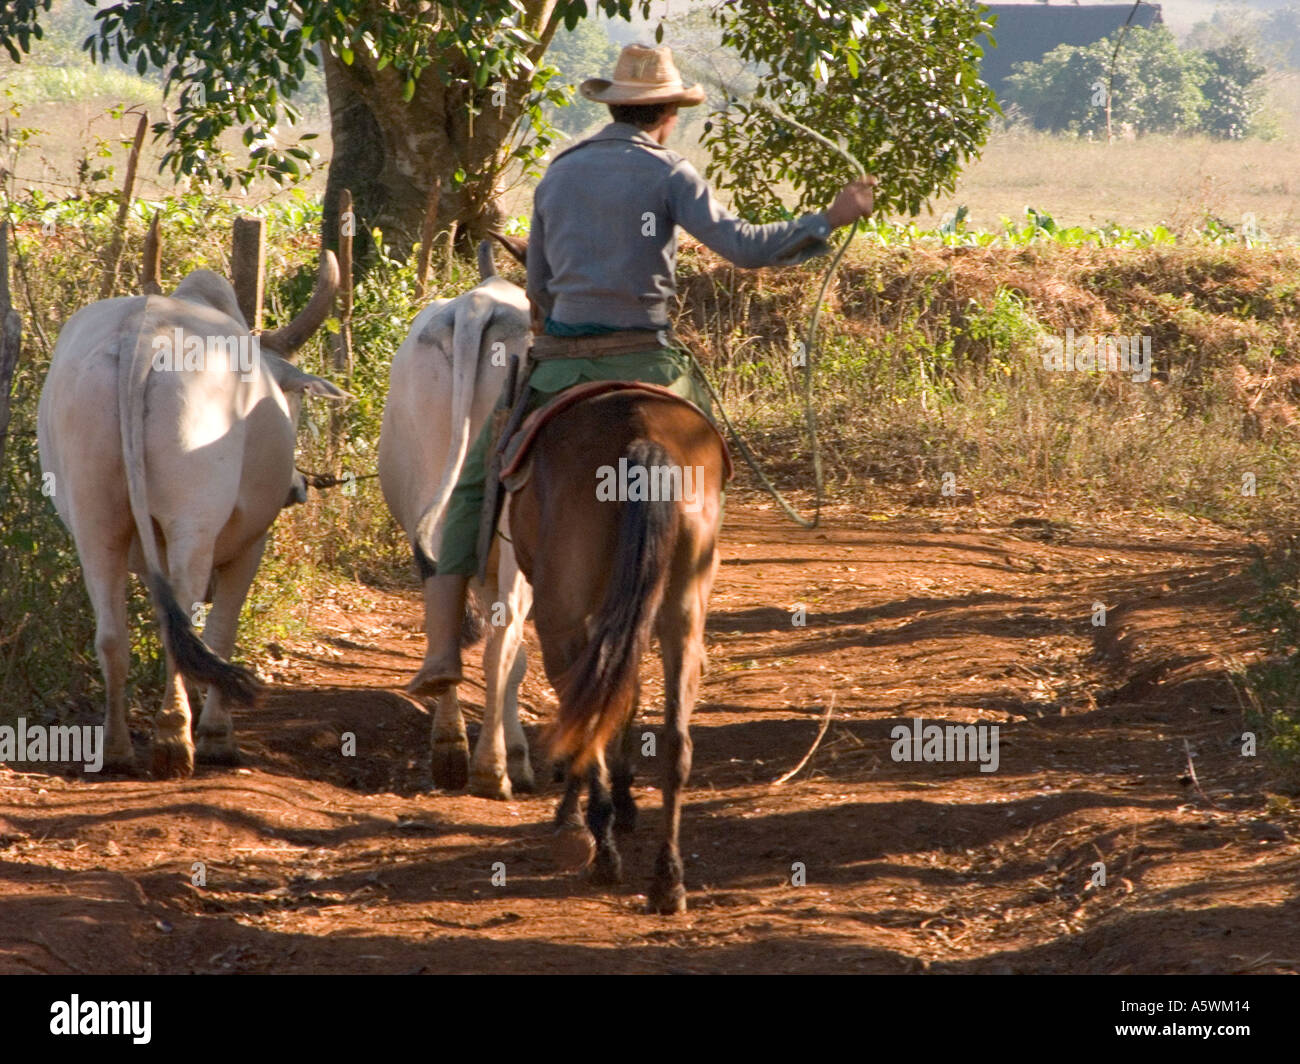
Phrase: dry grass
(931,364)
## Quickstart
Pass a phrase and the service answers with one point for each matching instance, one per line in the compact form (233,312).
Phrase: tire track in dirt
(320,863)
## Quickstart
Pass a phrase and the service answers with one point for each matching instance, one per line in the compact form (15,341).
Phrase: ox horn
(285,341)
(516,246)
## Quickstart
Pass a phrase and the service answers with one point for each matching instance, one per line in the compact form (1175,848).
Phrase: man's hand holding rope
(854,202)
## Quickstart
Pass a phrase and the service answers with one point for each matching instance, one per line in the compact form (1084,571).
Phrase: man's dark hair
(642,115)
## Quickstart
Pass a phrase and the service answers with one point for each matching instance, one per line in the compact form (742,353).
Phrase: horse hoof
(451,764)
(172,759)
(489,785)
(625,819)
(573,848)
(217,752)
(667,901)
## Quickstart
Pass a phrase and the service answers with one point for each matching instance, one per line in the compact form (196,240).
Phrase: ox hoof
(608,869)
(521,775)
(490,785)
(451,764)
(433,682)
(573,848)
(120,759)
(217,752)
(172,759)
(667,901)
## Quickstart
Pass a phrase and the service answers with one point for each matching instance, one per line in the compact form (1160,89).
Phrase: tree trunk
(393,154)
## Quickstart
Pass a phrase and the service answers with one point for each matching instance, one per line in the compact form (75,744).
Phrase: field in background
(1175,181)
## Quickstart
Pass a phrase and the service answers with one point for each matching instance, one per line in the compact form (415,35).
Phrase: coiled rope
(810,344)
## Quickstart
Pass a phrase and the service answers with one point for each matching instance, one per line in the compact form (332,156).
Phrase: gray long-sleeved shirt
(603,246)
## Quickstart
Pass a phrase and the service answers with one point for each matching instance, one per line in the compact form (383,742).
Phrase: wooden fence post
(123,206)
(248,267)
(11,331)
(427,233)
(341,342)
(451,251)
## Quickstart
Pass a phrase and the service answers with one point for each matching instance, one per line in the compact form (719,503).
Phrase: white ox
(444,382)
(168,462)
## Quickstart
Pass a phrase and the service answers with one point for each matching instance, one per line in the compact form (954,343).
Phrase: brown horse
(611,560)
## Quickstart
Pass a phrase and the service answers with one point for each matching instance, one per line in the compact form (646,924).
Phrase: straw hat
(643,75)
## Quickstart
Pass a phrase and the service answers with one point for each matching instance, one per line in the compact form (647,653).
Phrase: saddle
(517,449)
(511,463)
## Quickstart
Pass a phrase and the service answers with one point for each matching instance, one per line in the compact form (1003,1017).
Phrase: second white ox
(444,382)
(169,452)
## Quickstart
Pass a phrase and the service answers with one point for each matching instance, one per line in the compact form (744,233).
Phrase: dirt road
(316,862)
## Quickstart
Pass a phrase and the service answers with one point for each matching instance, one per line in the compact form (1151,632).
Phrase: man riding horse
(601,264)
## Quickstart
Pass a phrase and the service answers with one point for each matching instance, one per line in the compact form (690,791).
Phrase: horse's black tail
(598,691)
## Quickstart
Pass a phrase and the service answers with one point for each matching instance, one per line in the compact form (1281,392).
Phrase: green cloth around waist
(665,366)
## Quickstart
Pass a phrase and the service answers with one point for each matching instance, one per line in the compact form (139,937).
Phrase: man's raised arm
(694,207)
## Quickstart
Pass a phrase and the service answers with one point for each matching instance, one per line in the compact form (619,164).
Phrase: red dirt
(322,863)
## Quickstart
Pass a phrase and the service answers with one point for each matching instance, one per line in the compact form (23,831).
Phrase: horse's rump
(625,484)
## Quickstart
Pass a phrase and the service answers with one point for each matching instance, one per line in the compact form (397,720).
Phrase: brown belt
(623,342)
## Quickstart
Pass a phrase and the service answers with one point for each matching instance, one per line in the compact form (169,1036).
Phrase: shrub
(1158,87)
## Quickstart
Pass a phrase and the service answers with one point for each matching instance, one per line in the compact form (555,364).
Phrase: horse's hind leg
(572,846)
(681,637)
(608,868)
(624,750)
(563,587)
(575,843)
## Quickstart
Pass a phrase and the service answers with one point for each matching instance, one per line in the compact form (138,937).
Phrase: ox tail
(473,316)
(191,656)
(598,691)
